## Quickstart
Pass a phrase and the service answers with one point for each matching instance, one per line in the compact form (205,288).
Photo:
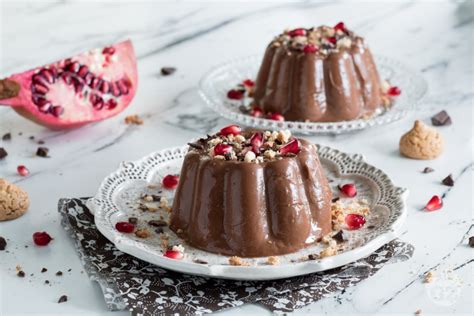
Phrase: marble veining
(433,37)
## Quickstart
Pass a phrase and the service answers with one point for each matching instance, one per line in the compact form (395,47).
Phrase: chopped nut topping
(237,261)
(429,277)
(142,233)
(133,119)
(273,261)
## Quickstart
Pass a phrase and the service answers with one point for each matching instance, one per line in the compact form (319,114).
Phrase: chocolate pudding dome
(251,194)
(323,74)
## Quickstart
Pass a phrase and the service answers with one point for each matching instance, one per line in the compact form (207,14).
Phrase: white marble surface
(193,37)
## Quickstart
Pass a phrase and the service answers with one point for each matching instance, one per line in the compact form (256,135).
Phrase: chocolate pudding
(252,194)
(323,74)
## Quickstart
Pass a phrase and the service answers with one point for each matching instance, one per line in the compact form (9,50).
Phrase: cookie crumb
(133,119)
(142,233)
(429,277)
(273,261)
(237,261)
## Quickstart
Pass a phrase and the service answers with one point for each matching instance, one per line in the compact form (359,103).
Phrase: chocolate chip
(42,152)
(157,223)
(428,170)
(62,299)
(449,181)
(471,241)
(200,261)
(441,119)
(3,153)
(59,273)
(44,270)
(334,200)
(313,256)
(7,136)
(21,274)
(3,243)
(196,146)
(133,220)
(339,237)
(165,71)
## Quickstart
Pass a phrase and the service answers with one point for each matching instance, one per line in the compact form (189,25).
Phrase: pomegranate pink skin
(76,115)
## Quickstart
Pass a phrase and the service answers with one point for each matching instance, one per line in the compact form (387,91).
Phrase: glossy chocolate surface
(338,86)
(252,209)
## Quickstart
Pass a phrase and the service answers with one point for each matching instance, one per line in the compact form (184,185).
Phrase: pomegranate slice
(231,130)
(173,254)
(256,141)
(348,189)
(434,204)
(354,221)
(170,181)
(41,238)
(75,91)
(293,147)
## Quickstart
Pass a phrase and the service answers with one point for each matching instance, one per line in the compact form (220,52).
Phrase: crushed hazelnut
(283,136)
(418,312)
(250,156)
(429,277)
(273,260)
(148,198)
(142,233)
(133,119)
(237,261)
(269,154)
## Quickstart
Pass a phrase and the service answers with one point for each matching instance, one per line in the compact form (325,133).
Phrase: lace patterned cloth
(145,289)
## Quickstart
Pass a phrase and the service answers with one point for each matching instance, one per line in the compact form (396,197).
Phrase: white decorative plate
(119,193)
(215,85)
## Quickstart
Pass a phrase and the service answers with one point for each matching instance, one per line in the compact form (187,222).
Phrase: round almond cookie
(14,201)
(422,142)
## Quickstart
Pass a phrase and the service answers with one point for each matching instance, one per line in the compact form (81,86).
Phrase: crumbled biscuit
(142,233)
(133,119)
(429,277)
(273,260)
(250,156)
(237,261)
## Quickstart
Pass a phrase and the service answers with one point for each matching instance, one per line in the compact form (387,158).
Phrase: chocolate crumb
(339,237)
(428,170)
(166,71)
(44,270)
(133,220)
(471,241)
(244,109)
(42,152)
(159,230)
(59,273)
(46,281)
(156,198)
(157,223)
(3,153)
(200,261)
(32,137)
(370,227)
(41,142)
(449,181)
(21,273)
(7,136)
(441,119)
(3,243)
(196,146)
(334,200)
(313,256)
(62,299)
(69,270)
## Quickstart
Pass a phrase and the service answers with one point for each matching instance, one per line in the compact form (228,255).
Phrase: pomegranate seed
(22,170)
(45,108)
(354,221)
(170,181)
(332,40)
(256,141)
(73,67)
(256,112)
(172,254)
(248,83)
(235,95)
(57,110)
(222,149)
(394,91)
(95,82)
(434,204)
(108,50)
(231,130)
(39,88)
(41,238)
(348,189)
(293,147)
(297,32)
(111,104)
(104,87)
(309,49)
(276,116)
(123,86)
(340,26)
(115,90)
(125,227)
(48,75)
(83,71)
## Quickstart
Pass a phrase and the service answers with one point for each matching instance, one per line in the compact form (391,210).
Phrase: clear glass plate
(216,83)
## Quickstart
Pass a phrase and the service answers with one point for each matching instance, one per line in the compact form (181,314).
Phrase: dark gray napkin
(145,289)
